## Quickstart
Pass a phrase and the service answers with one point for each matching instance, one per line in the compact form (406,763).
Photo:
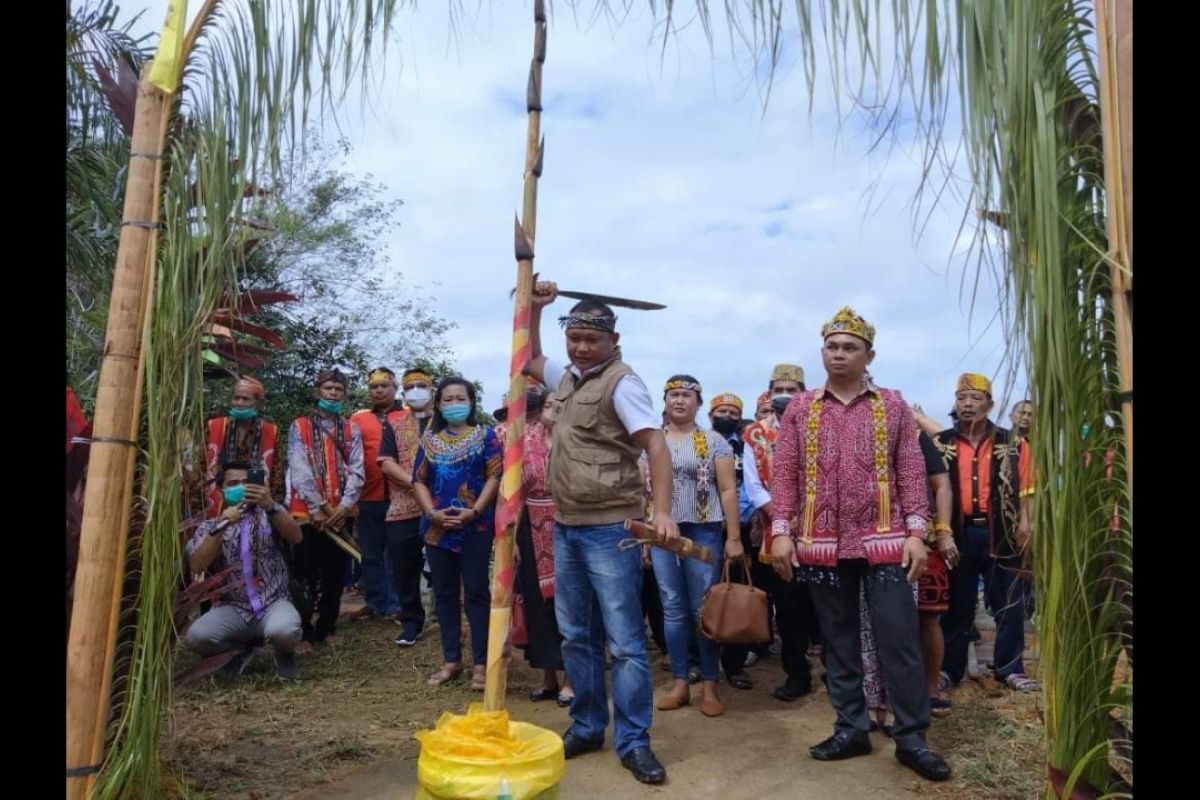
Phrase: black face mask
(779,404)
(725,425)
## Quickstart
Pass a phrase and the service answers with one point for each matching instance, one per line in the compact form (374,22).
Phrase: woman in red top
(535,550)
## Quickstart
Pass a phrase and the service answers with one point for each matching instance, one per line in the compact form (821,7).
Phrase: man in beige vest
(604,419)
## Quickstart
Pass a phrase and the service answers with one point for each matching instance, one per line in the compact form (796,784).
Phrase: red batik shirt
(845,518)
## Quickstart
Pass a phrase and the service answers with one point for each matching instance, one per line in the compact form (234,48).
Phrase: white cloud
(663,181)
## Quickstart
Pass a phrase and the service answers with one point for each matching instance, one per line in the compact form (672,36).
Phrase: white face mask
(417,397)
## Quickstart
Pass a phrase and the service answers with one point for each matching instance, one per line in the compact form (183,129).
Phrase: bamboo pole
(512,496)
(1114,36)
(107,498)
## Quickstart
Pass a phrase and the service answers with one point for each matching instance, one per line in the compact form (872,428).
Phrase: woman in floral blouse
(455,477)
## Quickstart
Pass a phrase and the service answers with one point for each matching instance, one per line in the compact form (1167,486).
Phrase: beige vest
(593,473)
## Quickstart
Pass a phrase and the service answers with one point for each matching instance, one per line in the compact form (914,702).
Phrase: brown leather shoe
(673,699)
(711,705)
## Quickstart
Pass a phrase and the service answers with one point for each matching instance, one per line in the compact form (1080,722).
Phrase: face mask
(243,414)
(235,495)
(332,406)
(724,425)
(779,402)
(456,414)
(417,397)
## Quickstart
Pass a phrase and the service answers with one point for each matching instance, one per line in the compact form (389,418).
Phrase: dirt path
(718,758)
(345,731)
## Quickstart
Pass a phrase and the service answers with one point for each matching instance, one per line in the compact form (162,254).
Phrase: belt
(980,521)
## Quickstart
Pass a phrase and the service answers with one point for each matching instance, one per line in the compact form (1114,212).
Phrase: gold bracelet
(942,527)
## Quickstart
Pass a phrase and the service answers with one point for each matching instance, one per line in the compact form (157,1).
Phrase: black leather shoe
(839,746)
(644,766)
(923,761)
(792,690)
(575,745)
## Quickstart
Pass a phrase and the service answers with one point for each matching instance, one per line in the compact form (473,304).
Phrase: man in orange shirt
(379,588)
(991,480)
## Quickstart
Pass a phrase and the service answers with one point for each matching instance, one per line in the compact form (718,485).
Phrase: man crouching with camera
(259,605)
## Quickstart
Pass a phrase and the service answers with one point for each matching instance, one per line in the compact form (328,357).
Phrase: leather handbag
(735,613)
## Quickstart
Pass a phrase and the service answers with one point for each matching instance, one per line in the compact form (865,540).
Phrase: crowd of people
(870,526)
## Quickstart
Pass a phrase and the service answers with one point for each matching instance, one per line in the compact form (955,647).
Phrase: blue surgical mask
(235,495)
(332,406)
(457,413)
(243,414)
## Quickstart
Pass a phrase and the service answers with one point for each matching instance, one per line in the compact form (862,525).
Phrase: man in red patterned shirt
(848,468)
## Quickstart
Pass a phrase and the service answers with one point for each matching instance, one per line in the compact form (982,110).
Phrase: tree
(218,114)
(99,46)
(320,230)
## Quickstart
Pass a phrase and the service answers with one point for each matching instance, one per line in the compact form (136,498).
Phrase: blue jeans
(465,572)
(682,582)
(598,595)
(379,584)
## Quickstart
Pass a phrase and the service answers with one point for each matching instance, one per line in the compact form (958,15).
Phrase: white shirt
(631,398)
(758,494)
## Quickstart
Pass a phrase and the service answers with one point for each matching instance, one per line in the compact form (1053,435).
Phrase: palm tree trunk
(107,499)
(1114,35)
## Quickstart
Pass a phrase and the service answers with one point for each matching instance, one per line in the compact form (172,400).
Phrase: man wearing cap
(379,587)
(848,467)
(762,407)
(325,480)
(604,419)
(401,439)
(991,480)
(794,615)
(242,435)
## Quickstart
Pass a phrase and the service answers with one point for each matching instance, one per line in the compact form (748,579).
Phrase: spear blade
(622,302)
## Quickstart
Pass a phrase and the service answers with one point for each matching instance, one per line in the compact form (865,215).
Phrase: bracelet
(942,527)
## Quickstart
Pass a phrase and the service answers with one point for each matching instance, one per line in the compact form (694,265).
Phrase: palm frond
(249,84)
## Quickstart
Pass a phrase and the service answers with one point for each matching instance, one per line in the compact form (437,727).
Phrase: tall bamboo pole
(106,505)
(512,497)
(1114,36)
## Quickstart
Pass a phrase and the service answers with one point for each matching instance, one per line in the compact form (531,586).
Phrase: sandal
(1021,683)
(478,678)
(939,707)
(564,699)
(543,694)
(444,675)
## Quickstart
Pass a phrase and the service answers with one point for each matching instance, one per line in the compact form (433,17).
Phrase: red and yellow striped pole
(512,497)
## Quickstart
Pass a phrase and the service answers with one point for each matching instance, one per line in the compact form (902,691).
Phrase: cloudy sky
(664,180)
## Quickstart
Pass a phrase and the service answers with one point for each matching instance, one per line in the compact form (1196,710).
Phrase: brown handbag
(735,613)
